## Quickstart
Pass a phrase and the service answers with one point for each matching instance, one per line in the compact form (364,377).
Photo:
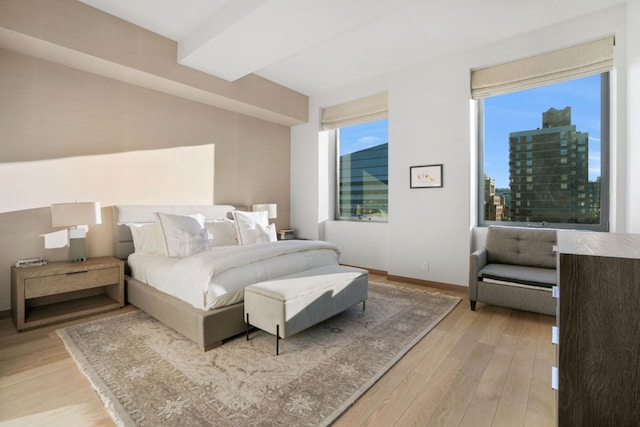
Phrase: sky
(523,110)
(365,135)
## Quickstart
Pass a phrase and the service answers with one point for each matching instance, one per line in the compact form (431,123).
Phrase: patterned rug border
(121,417)
(116,411)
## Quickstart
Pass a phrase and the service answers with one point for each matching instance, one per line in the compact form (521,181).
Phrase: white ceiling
(313,46)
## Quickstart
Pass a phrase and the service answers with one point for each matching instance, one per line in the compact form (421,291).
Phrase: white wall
(429,123)
(633,110)
(361,243)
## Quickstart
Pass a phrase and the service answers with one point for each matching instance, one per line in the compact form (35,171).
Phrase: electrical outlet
(425,266)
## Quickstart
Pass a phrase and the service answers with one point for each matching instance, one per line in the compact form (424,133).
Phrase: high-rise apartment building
(549,172)
(493,203)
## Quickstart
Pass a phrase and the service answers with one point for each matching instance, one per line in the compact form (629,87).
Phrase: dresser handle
(77,272)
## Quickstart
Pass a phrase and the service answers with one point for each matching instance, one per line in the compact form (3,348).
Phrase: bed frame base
(208,329)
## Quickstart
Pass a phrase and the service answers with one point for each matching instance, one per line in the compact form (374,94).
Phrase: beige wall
(50,111)
(54,113)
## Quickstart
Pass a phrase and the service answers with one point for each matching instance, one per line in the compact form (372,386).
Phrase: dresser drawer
(59,283)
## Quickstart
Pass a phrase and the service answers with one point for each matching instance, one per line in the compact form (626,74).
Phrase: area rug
(149,375)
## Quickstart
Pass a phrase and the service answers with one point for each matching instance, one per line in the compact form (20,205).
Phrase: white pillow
(245,224)
(221,232)
(266,234)
(184,235)
(148,238)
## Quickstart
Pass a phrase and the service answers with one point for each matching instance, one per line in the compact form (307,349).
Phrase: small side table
(60,291)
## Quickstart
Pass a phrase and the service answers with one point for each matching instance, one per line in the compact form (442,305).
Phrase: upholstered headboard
(127,214)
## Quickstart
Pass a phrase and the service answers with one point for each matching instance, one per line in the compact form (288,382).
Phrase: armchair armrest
(477,260)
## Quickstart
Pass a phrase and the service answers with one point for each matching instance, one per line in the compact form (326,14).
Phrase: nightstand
(61,291)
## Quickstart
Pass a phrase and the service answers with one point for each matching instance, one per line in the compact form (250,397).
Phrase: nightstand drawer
(59,283)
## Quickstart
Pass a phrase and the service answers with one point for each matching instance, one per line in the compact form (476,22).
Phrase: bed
(201,295)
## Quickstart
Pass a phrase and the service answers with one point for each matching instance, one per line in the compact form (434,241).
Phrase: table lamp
(272,208)
(77,216)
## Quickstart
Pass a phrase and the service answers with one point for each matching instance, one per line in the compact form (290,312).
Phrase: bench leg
(277,339)
(364,301)
(247,326)
(473,305)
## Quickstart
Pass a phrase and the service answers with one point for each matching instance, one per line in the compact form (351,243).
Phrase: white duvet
(217,277)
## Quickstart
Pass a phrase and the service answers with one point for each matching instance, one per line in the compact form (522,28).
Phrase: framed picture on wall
(428,176)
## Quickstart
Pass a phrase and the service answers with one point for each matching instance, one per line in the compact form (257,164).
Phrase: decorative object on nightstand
(31,262)
(78,216)
(272,208)
(61,291)
(286,234)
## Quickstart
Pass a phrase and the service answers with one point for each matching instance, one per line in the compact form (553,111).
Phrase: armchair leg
(473,305)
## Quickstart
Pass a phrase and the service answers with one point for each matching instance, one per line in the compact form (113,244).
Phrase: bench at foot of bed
(288,305)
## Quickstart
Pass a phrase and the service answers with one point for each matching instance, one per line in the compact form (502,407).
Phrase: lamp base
(77,249)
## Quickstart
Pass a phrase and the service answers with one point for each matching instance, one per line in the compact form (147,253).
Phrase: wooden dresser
(598,352)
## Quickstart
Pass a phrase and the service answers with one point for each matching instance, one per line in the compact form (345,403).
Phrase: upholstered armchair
(516,268)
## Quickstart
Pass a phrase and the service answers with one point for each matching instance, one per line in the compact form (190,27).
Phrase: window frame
(605,126)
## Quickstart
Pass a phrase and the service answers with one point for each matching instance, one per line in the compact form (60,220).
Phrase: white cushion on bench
(304,299)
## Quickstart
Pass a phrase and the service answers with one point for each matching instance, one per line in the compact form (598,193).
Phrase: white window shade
(354,112)
(565,64)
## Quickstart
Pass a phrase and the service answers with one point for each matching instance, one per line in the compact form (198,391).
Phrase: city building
(549,172)
(364,183)
(493,203)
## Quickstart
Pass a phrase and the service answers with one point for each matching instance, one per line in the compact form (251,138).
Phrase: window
(363,178)
(545,99)
(362,147)
(563,120)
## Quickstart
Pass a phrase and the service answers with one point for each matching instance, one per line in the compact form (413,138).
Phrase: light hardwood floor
(491,367)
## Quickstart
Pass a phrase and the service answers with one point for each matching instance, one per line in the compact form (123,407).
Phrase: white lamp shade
(272,208)
(72,214)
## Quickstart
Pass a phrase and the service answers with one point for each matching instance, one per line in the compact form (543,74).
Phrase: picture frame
(426,176)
